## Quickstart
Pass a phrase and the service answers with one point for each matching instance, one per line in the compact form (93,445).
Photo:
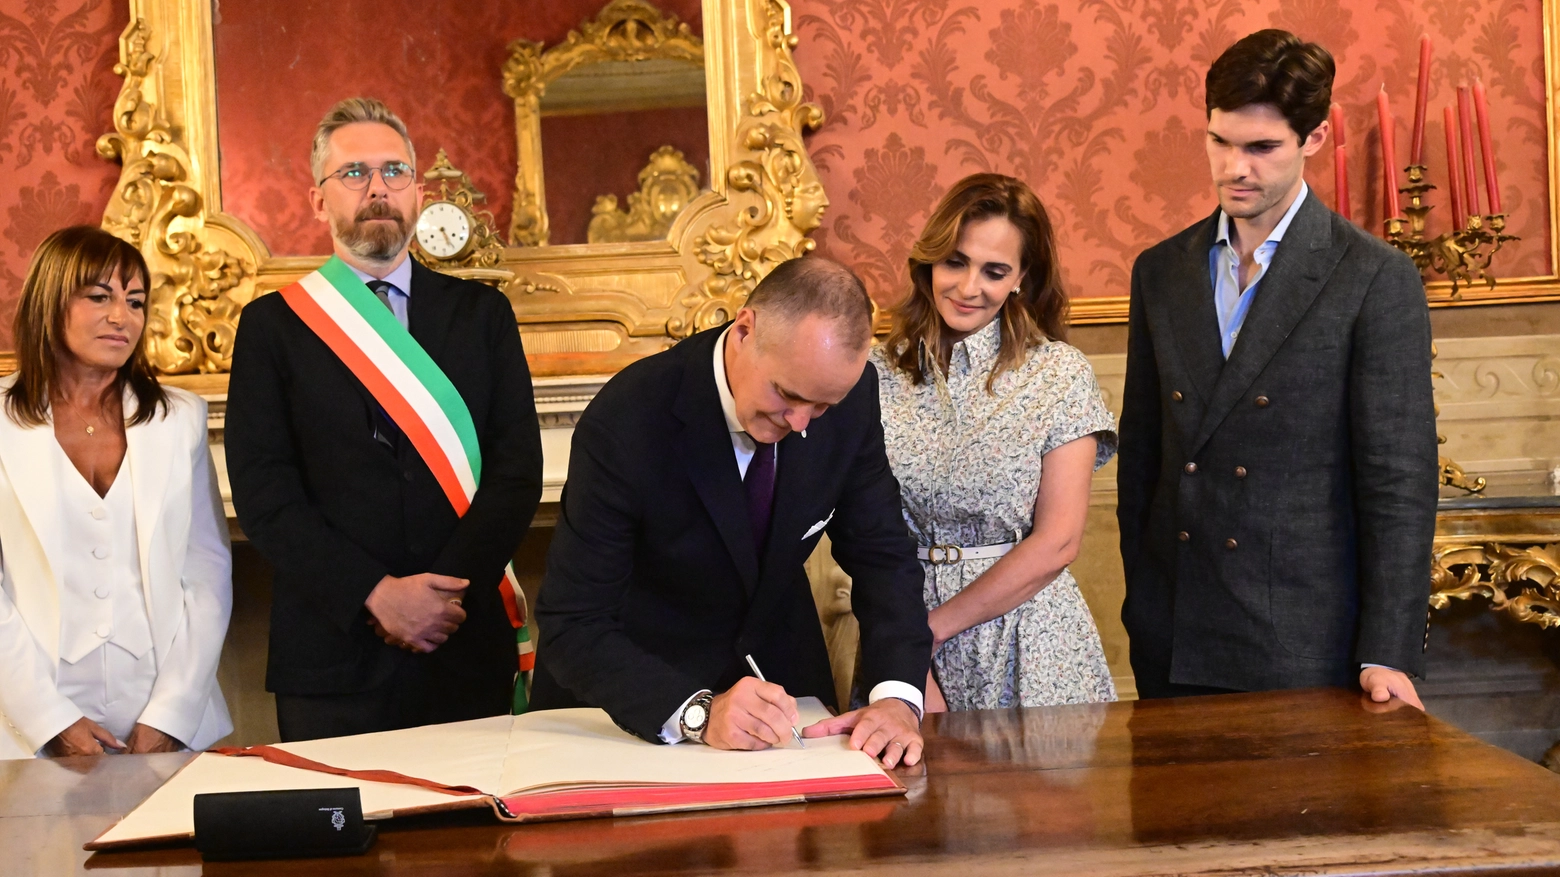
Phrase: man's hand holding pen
(753,714)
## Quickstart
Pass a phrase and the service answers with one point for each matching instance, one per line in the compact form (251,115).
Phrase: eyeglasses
(357,176)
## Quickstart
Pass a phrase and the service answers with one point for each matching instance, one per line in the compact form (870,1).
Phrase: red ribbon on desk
(288,759)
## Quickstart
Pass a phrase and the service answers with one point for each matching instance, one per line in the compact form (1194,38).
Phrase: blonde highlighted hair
(1035,313)
(350,112)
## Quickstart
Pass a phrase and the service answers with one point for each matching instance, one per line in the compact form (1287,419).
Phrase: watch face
(694,716)
(443,230)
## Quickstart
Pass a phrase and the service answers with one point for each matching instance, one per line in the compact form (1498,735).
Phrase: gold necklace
(91,429)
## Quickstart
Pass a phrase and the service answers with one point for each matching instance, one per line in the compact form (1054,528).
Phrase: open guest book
(556,764)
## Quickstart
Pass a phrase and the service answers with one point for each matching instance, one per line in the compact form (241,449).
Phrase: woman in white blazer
(115,574)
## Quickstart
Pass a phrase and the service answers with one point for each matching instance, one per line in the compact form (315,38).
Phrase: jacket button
(1183,536)
(1191,468)
(409,475)
(1176,395)
(1262,401)
(1240,471)
(1230,544)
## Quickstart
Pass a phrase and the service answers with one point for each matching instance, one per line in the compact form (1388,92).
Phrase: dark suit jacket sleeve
(1137,460)
(506,500)
(873,546)
(268,489)
(1392,431)
(589,566)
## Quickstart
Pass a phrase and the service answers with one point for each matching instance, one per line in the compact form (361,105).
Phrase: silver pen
(795,734)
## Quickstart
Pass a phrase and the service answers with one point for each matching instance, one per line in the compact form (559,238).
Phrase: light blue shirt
(1229,300)
(400,281)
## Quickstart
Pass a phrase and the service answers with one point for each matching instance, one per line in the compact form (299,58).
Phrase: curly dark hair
(1274,67)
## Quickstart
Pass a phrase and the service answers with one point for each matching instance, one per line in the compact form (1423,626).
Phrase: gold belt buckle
(950,554)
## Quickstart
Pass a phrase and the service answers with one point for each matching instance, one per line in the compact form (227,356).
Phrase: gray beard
(373,241)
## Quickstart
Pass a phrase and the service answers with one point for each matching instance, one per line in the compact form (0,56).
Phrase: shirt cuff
(1382,666)
(671,730)
(902,690)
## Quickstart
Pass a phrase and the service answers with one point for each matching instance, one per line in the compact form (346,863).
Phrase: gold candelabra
(1463,255)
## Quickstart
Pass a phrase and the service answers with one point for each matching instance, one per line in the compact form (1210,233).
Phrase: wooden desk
(1290,782)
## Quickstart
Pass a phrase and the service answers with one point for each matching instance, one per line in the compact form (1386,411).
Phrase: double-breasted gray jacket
(1277,509)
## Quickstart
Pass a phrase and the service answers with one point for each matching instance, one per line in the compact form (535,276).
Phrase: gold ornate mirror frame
(584,309)
(623,31)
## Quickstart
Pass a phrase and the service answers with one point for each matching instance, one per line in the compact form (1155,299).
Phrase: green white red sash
(417,396)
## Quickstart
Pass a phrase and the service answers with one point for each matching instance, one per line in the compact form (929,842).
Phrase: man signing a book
(700,480)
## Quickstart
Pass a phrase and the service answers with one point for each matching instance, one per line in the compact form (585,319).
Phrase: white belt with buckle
(940,554)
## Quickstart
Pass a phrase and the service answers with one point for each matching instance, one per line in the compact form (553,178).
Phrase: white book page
(457,754)
(562,748)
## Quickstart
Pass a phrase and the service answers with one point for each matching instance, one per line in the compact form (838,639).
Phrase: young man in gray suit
(1277,481)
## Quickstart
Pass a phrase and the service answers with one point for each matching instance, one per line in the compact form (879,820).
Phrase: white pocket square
(819,526)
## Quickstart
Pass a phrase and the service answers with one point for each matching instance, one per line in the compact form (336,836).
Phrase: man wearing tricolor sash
(385,457)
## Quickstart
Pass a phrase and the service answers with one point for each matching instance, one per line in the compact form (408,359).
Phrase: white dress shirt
(743,446)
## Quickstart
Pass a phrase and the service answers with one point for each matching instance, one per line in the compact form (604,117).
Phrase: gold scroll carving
(191,316)
(1522,581)
(589,308)
(666,185)
(1506,552)
(778,171)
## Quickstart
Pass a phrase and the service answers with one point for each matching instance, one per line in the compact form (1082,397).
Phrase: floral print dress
(968,464)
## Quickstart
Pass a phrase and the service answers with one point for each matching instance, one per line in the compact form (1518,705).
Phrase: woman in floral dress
(994,427)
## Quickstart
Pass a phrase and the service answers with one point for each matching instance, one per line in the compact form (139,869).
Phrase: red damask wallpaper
(1099,106)
(57,90)
(280,66)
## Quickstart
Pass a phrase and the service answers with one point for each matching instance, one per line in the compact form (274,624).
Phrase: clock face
(443,230)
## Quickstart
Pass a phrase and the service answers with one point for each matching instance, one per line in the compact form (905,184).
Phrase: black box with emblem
(291,824)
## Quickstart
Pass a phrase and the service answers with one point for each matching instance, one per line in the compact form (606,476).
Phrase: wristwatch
(695,717)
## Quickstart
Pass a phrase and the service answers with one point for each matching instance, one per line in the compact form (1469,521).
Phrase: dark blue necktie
(760,485)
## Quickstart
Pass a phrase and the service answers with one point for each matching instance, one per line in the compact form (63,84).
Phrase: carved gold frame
(583,308)
(624,30)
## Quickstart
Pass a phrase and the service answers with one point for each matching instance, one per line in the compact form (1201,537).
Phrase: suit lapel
(150,447)
(1192,315)
(429,313)
(1300,268)
(33,471)
(797,457)
(705,447)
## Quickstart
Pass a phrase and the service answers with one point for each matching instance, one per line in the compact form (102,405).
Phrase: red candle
(1389,192)
(1417,153)
(1465,141)
(1459,219)
(1481,109)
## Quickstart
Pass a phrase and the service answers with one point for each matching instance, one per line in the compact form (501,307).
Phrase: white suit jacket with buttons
(186,576)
